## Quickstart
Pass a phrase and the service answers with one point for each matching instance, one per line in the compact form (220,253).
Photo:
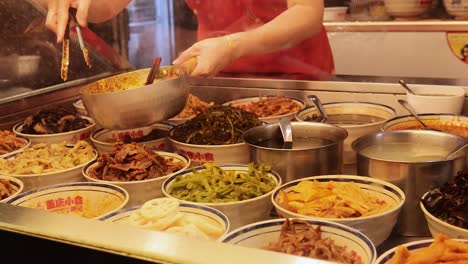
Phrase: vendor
(237,36)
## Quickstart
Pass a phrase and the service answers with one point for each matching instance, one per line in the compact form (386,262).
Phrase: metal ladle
(406,87)
(319,106)
(454,152)
(286,130)
(410,109)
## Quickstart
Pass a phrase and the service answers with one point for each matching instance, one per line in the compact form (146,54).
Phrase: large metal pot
(413,176)
(324,156)
(113,106)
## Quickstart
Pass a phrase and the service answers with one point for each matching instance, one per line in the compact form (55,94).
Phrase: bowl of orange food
(10,187)
(86,199)
(367,204)
(441,249)
(137,169)
(123,101)
(454,124)
(11,143)
(193,105)
(305,237)
(270,109)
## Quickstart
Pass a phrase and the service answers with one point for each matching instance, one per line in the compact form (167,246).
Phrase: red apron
(218,18)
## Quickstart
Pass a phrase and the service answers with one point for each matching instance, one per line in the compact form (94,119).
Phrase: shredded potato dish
(332,199)
(46,158)
(442,250)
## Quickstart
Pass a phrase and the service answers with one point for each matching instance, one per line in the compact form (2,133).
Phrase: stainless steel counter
(141,244)
(426,25)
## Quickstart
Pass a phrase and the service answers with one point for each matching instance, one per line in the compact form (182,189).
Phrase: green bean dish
(215,185)
(218,125)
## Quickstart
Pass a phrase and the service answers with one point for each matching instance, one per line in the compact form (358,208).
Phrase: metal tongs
(66,45)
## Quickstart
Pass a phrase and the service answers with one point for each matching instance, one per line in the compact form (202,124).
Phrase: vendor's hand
(57,15)
(213,54)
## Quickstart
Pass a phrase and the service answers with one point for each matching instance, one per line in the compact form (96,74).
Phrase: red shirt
(218,18)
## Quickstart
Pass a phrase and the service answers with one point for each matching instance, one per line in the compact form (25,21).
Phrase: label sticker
(458,43)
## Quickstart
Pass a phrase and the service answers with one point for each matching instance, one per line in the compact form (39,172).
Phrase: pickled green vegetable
(215,185)
(218,125)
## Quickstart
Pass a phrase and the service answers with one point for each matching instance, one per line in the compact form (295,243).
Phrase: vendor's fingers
(82,12)
(203,69)
(51,19)
(62,18)
(186,55)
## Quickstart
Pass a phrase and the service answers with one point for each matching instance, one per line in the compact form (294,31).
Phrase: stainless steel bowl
(412,176)
(134,107)
(296,163)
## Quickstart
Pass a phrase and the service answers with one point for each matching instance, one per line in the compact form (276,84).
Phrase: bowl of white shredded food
(171,216)
(44,164)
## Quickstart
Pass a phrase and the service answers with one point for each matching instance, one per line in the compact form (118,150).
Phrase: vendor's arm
(101,10)
(300,21)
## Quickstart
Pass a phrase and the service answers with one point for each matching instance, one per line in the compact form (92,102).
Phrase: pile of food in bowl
(46,158)
(441,249)
(171,216)
(54,126)
(242,192)
(215,135)
(193,106)
(131,162)
(136,168)
(309,238)
(10,187)
(369,205)
(45,164)
(10,142)
(454,124)
(269,108)
(135,104)
(446,208)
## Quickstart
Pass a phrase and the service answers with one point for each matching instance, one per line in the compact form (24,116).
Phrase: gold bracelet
(228,37)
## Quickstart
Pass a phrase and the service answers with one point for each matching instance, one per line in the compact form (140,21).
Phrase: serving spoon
(319,106)
(410,109)
(456,151)
(406,87)
(285,127)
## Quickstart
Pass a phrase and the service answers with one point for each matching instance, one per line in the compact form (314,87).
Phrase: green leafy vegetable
(215,185)
(218,125)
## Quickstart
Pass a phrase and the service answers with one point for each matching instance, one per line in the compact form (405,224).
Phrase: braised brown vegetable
(131,162)
(53,121)
(218,125)
(449,202)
